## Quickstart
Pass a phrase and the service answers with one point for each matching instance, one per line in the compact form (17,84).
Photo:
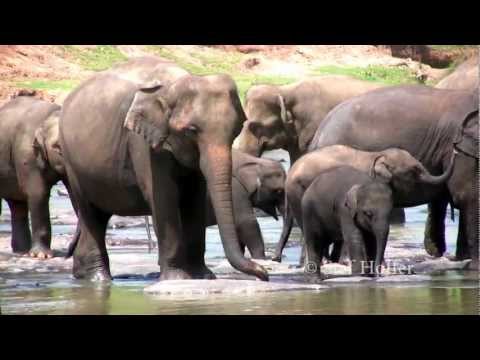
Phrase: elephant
(256,183)
(465,76)
(153,140)
(428,123)
(30,164)
(341,205)
(395,167)
(286,117)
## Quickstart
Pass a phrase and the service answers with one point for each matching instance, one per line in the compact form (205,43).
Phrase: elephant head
(46,145)
(466,140)
(370,205)
(270,122)
(400,168)
(204,112)
(264,181)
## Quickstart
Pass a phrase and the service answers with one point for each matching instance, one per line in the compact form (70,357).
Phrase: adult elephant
(465,76)
(30,164)
(146,138)
(287,117)
(427,123)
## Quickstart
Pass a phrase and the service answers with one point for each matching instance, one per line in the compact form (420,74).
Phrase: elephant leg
(21,238)
(90,257)
(314,247)
(470,233)
(434,238)
(397,216)
(246,224)
(192,205)
(40,218)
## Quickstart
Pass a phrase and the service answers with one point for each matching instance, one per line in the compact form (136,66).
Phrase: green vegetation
(376,73)
(52,85)
(218,62)
(452,47)
(99,58)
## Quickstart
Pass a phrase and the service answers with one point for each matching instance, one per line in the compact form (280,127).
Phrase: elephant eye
(192,129)
(368,213)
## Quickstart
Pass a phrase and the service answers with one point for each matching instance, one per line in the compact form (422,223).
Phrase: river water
(46,287)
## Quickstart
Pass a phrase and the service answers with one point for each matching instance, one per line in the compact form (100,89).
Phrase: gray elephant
(344,205)
(428,123)
(393,166)
(286,117)
(30,164)
(154,138)
(256,183)
(465,76)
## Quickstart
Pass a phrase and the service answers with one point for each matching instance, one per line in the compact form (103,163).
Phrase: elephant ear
(285,115)
(466,140)
(149,115)
(39,150)
(351,200)
(248,176)
(380,169)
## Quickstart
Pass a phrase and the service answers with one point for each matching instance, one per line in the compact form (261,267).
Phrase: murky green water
(34,292)
(451,293)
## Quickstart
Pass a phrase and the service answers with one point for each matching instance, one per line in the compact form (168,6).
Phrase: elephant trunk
(381,236)
(216,166)
(247,142)
(428,178)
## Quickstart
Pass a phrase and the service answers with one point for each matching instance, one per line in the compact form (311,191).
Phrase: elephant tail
(73,244)
(452,213)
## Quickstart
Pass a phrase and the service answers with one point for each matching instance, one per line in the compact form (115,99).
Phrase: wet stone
(194,288)
(439,264)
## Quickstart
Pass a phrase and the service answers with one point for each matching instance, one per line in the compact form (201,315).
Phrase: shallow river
(51,290)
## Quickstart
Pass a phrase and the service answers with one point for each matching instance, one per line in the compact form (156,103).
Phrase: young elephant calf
(397,167)
(346,205)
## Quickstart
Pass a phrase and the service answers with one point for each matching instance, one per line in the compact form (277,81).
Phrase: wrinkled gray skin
(258,183)
(154,138)
(286,117)
(465,76)
(30,164)
(395,167)
(426,122)
(344,205)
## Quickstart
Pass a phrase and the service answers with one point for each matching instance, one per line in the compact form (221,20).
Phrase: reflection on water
(57,293)
(443,295)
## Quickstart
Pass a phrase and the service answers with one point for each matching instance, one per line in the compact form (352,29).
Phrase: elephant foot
(99,275)
(277,258)
(431,248)
(180,274)
(93,271)
(315,278)
(40,252)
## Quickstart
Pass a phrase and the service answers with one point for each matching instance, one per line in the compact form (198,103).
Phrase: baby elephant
(397,167)
(344,204)
(256,183)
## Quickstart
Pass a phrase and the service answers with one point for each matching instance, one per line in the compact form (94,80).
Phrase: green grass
(220,63)
(52,85)
(375,73)
(245,81)
(99,58)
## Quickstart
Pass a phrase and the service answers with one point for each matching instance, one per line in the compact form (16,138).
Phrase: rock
(348,279)
(195,288)
(439,264)
(250,63)
(403,278)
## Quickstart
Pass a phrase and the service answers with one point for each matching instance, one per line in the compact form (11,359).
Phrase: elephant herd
(148,138)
